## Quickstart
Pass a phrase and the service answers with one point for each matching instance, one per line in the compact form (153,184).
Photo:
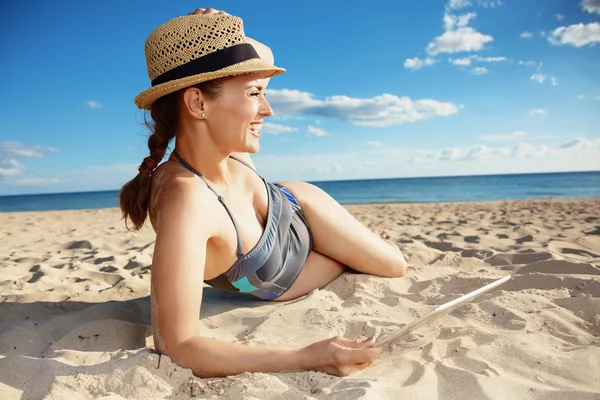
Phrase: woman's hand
(340,356)
(207,11)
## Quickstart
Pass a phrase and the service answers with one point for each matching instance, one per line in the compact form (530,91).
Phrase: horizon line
(337,180)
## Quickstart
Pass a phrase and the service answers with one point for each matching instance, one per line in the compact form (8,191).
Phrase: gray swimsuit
(272,266)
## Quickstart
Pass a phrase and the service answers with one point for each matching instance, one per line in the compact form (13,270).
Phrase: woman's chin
(252,147)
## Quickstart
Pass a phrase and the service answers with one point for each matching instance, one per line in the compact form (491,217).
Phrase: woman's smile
(255,128)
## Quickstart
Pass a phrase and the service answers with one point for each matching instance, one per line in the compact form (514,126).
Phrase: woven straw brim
(145,99)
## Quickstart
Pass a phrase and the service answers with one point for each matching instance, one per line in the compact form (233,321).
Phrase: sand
(75,318)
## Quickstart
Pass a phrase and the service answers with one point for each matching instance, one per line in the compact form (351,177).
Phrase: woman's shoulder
(176,188)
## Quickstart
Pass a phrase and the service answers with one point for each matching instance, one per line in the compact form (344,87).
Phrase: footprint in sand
(559,267)
(474,253)
(472,239)
(516,258)
(475,366)
(586,308)
(571,248)
(579,252)
(442,246)
(36,277)
(77,245)
(524,239)
(104,259)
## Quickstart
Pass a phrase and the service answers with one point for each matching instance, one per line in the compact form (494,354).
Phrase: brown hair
(134,196)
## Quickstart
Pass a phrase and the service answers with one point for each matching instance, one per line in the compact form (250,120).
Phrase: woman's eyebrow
(255,86)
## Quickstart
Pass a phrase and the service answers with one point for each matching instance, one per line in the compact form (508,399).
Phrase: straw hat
(188,50)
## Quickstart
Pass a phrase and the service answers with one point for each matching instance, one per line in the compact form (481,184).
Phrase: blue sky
(372,90)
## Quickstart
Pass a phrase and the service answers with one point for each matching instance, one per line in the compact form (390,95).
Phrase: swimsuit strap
(247,165)
(240,252)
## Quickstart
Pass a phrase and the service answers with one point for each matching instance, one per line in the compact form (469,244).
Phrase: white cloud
(462,39)
(457,37)
(276,129)
(366,165)
(528,63)
(456,4)
(34,181)
(591,6)
(526,35)
(380,111)
(541,78)
(451,153)
(559,17)
(537,111)
(461,62)
(477,152)
(374,143)
(466,61)
(316,132)
(12,172)
(490,59)
(480,71)
(576,35)
(391,162)
(10,167)
(93,104)
(490,3)
(417,63)
(452,21)
(527,150)
(504,137)
(18,149)
(328,169)
(580,142)
(99,177)
(518,151)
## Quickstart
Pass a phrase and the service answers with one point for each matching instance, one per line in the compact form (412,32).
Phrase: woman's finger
(197,11)
(358,356)
(206,11)
(357,343)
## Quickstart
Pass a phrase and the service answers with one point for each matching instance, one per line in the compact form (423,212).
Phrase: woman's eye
(255,94)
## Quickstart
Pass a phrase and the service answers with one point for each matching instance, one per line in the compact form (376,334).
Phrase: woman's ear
(193,102)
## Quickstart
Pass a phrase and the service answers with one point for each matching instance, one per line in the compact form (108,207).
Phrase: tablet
(439,312)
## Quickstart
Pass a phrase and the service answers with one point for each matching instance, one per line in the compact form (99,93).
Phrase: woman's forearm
(211,358)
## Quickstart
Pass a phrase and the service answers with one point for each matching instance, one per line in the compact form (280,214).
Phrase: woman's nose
(265,108)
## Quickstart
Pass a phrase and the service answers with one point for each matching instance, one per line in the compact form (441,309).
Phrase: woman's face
(234,118)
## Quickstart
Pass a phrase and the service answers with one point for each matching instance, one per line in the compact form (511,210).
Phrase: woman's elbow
(397,266)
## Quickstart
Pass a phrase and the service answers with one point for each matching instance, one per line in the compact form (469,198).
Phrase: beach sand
(75,311)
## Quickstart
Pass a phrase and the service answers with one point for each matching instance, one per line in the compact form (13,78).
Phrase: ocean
(402,190)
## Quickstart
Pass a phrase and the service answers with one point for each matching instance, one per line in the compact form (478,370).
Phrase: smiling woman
(217,220)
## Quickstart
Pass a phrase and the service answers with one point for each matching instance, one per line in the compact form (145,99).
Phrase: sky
(378,89)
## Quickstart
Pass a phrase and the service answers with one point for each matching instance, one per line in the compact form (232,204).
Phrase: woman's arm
(177,282)
(183,231)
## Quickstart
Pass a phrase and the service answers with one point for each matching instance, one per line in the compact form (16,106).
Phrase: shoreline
(75,308)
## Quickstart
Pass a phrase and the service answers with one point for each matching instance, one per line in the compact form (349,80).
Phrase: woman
(218,221)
